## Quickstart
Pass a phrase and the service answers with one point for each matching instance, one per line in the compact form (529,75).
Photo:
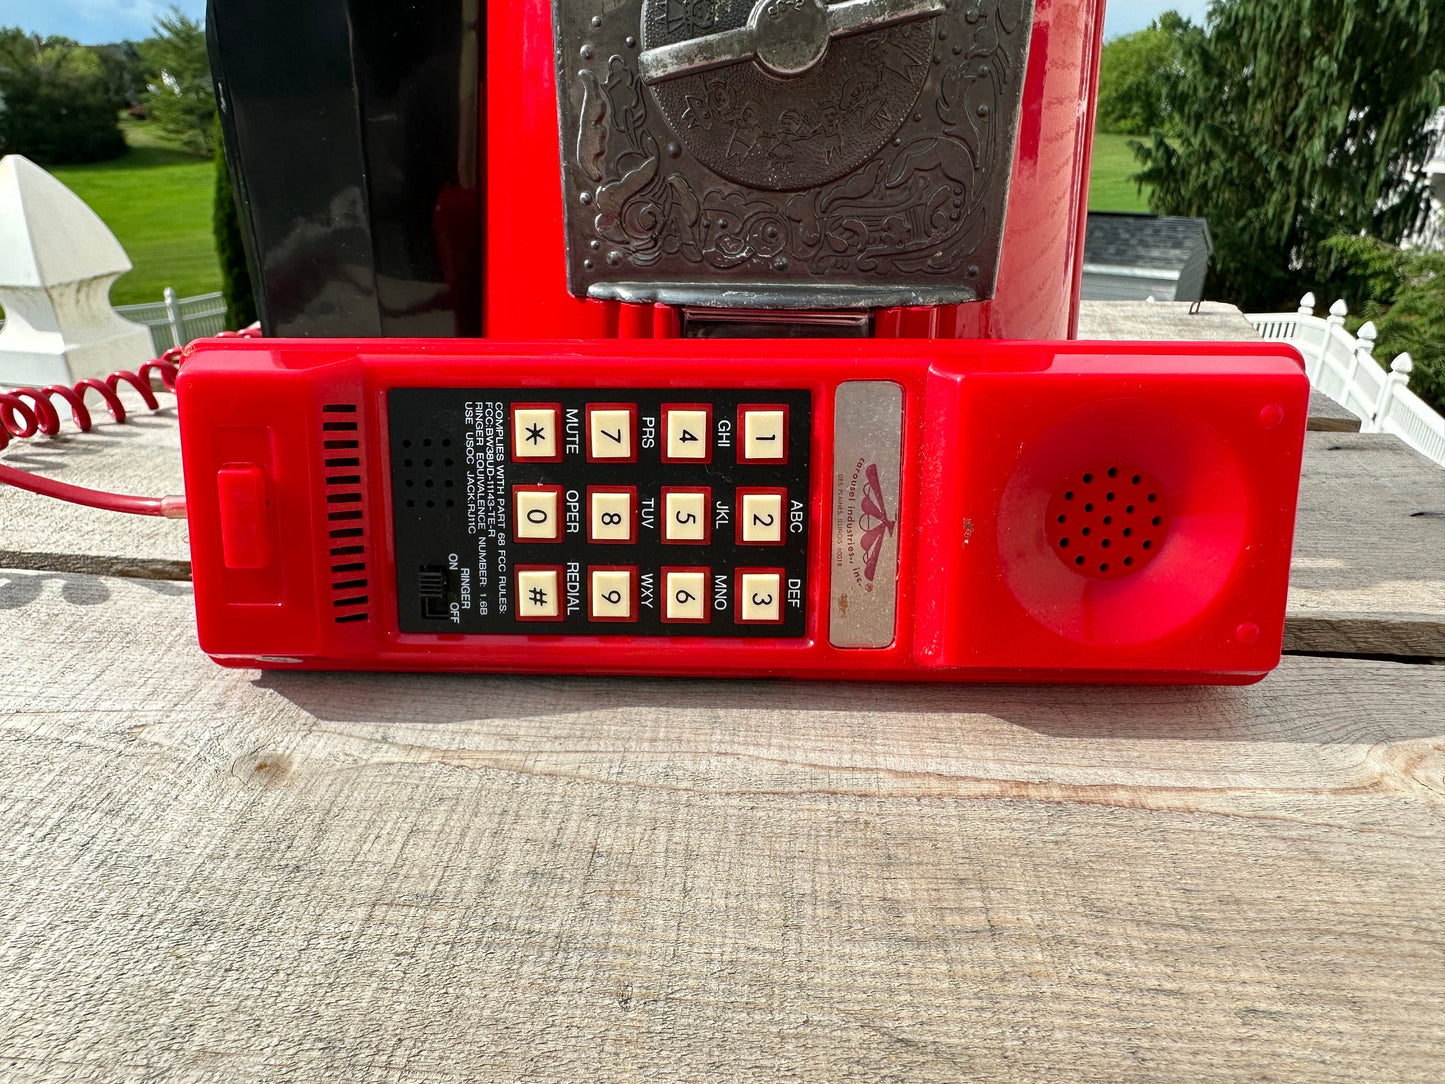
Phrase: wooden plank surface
(1327,416)
(1368,573)
(211,875)
(141,457)
(1161,321)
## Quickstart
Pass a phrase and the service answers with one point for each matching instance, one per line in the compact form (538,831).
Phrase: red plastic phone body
(992,434)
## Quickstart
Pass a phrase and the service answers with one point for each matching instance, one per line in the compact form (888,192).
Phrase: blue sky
(97,21)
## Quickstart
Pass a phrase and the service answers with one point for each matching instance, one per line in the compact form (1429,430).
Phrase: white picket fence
(1343,367)
(175,321)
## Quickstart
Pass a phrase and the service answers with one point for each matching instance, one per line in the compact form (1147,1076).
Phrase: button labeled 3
(760,596)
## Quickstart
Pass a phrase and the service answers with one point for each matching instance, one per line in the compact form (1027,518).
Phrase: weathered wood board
(1368,574)
(1162,321)
(211,875)
(141,457)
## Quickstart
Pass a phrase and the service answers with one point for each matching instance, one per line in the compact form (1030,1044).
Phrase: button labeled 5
(687,515)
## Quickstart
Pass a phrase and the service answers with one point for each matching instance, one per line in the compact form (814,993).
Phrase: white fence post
(1398,377)
(173,317)
(1364,349)
(1335,319)
(1306,305)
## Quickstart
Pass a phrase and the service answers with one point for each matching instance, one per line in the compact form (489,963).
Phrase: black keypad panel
(601,512)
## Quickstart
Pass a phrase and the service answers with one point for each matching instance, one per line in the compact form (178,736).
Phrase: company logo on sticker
(866,523)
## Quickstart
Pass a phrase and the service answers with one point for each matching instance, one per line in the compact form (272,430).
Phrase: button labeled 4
(687,432)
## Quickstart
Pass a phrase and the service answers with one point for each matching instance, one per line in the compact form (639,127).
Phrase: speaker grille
(345,512)
(1107,521)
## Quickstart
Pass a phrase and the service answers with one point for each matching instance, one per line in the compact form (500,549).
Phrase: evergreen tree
(179,95)
(235,277)
(1298,120)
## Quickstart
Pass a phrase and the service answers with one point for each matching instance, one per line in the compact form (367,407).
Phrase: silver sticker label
(867,460)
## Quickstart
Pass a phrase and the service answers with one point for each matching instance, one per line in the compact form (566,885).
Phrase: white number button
(687,433)
(538,515)
(686,596)
(534,433)
(765,436)
(609,433)
(761,517)
(538,595)
(611,594)
(760,598)
(609,516)
(685,515)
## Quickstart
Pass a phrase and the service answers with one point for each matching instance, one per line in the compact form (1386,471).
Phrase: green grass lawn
(1109,186)
(157,201)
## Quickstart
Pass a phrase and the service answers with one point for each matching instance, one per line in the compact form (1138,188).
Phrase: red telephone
(940,510)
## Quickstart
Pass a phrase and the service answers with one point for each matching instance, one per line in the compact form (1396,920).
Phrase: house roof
(1164,243)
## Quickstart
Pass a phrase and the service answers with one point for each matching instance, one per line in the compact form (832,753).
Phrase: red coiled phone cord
(26,412)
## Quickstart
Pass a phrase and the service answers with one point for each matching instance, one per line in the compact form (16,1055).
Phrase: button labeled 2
(760,516)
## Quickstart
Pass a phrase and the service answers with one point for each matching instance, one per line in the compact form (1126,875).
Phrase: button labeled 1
(765,434)
(687,515)
(760,596)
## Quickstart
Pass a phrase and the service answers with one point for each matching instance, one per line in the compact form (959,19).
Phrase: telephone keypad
(641,512)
